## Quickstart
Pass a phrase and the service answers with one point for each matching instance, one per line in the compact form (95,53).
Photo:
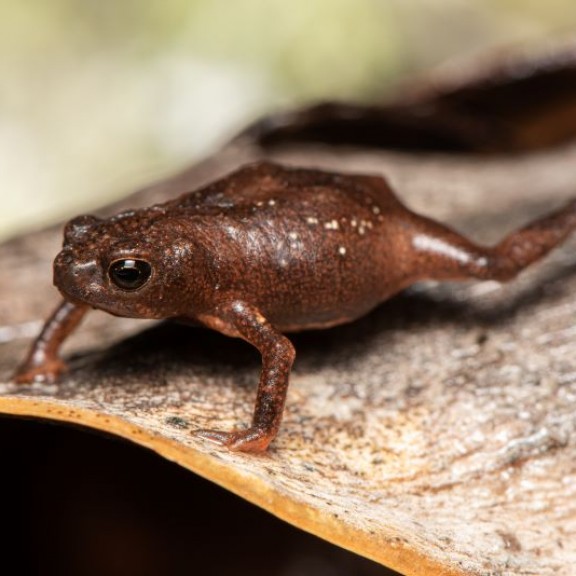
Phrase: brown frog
(265,251)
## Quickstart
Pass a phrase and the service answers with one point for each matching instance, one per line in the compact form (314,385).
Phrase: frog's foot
(46,373)
(250,440)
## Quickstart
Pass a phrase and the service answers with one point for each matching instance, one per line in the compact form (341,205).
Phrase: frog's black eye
(129,274)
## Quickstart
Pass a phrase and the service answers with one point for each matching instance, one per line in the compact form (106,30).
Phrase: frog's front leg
(245,321)
(43,363)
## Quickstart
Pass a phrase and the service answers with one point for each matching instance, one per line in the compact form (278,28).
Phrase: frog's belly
(320,281)
(323,308)
(311,324)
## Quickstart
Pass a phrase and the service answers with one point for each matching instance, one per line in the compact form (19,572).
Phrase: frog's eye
(129,274)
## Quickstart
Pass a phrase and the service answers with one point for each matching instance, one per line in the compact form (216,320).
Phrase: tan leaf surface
(436,436)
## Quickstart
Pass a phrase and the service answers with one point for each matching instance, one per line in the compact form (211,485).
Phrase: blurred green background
(100,96)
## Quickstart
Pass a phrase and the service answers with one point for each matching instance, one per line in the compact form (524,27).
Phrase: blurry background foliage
(99,96)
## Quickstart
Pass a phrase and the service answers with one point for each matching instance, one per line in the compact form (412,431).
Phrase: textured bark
(437,435)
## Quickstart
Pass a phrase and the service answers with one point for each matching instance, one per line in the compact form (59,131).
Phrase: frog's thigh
(440,253)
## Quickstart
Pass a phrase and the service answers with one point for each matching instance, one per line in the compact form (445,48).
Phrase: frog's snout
(74,278)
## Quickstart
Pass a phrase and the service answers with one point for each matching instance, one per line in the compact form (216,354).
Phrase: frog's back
(269,190)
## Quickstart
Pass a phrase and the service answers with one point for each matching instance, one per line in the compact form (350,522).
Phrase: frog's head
(133,264)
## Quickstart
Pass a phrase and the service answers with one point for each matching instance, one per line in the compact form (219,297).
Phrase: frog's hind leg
(442,254)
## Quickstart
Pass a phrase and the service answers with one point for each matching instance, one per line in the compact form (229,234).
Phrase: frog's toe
(45,374)
(220,438)
(250,440)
